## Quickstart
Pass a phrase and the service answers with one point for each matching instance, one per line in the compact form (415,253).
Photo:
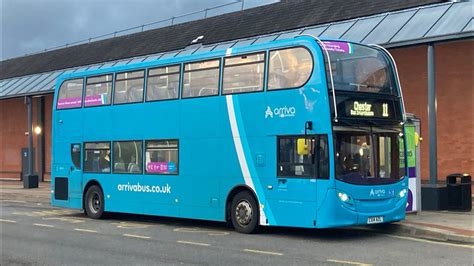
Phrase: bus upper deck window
(163,83)
(70,94)
(201,79)
(98,90)
(289,68)
(360,68)
(243,73)
(129,87)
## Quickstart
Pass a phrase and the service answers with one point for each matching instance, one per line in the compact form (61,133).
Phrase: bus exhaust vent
(61,188)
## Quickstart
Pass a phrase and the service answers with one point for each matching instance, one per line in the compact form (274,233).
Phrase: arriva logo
(281,112)
(377,192)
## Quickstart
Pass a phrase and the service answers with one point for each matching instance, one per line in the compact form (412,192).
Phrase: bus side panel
(200,152)
(152,194)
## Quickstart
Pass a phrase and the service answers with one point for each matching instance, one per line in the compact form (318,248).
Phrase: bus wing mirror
(302,146)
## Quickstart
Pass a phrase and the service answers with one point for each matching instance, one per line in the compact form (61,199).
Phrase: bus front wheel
(94,202)
(244,213)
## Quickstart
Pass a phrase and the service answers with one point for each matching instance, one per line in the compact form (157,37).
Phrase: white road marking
(85,230)
(350,262)
(137,236)
(127,225)
(66,219)
(44,225)
(15,201)
(7,221)
(263,252)
(197,230)
(432,242)
(193,243)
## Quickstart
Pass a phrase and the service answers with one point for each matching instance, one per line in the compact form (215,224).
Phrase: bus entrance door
(75,170)
(68,175)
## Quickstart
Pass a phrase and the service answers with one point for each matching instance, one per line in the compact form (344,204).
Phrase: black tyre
(244,213)
(94,202)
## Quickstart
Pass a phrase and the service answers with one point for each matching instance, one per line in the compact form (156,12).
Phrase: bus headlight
(346,200)
(402,193)
(343,197)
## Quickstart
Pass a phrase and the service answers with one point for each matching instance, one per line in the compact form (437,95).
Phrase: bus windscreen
(369,157)
(360,68)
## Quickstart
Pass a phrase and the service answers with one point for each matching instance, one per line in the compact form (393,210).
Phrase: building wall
(455,114)
(13,117)
(455,87)
(14,124)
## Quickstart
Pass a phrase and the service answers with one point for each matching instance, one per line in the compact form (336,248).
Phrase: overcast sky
(29,26)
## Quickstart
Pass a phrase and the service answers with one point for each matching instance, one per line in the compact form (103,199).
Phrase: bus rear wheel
(244,213)
(94,202)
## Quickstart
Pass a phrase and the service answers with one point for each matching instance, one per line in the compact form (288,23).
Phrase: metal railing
(153,25)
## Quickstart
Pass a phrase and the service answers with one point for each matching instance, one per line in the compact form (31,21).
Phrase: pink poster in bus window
(95,100)
(340,47)
(157,167)
(69,103)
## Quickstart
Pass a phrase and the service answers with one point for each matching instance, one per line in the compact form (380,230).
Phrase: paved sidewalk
(441,226)
(14,191)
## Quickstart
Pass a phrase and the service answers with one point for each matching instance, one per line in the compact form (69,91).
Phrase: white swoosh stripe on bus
(240,151)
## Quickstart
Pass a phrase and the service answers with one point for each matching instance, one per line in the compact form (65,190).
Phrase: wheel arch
(234,191)
(90,183)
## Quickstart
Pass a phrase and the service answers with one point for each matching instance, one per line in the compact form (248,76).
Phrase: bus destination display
(367,109)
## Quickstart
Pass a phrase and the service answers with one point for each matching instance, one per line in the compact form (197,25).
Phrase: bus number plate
(375,220)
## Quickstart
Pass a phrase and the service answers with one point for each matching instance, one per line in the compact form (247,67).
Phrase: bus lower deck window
(97,157)
(303,156)
(161,157)
(127,157)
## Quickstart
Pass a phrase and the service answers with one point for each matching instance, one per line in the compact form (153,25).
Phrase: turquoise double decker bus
(297,132)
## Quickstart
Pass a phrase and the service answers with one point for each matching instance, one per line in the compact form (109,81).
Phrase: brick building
(406,28)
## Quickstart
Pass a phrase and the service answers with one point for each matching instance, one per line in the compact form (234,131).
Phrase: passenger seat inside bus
(133,168)
(119,167)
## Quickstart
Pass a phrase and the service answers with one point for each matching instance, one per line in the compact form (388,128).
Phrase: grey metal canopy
(432,23)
